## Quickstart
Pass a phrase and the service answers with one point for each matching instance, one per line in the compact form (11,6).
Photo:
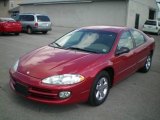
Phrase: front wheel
(100,89)
(16,33)
(147,64)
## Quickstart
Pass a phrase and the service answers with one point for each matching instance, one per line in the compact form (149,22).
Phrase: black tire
(147,64)
(99,92)
(158,32)
(44,32)
(29,30)
(16,33)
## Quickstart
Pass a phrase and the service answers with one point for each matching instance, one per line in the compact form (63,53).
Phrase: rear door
(27,20)
(141,47)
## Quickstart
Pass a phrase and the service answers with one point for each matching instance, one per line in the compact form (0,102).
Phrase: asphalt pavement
(135,98)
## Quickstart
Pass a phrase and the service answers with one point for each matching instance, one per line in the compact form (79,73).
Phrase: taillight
(36,24)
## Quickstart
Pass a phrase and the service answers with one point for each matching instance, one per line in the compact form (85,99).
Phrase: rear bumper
(41,29)
(150,30)
(48,94)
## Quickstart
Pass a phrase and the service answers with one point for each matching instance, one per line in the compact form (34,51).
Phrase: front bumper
(33,89)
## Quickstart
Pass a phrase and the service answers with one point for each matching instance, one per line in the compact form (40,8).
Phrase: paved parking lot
(136,98)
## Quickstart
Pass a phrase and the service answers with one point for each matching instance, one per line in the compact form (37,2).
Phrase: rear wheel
(44,32)
(158,32)
(100,89)
(147,64)
(29,30)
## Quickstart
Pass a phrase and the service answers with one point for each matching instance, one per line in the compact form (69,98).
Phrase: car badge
(28,72)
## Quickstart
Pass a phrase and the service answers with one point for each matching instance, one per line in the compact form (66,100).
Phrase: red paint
(48,61)
(10,27)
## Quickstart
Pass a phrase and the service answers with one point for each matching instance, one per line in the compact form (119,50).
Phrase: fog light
(64,94)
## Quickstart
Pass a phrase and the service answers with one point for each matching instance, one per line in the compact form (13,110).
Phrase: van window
(150,22)
(26,18)
(43,18)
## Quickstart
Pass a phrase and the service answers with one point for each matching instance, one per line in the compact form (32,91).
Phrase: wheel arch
(111,73)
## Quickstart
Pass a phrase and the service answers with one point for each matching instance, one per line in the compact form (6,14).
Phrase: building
(9,7)
(77,13)
(4,7)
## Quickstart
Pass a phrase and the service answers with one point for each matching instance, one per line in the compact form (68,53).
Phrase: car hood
(48,61)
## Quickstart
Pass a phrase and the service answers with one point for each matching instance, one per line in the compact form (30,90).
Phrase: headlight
(16,65)
(65,79)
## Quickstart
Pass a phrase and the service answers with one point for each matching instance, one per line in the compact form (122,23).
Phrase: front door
(125,64)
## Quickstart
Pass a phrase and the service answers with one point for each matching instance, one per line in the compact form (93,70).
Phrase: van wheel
(29,30)
(158,32)
(147,64)
(44,32)
(100,89)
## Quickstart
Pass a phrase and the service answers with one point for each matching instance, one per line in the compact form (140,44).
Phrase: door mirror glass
(122,50)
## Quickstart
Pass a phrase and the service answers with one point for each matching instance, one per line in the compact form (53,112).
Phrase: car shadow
(35,33)
(7,34)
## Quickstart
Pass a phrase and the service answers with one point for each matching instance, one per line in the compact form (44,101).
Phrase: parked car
(82,65)
(9,25)
(152,26)
(35,23)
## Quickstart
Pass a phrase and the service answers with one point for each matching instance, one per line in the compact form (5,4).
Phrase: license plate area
(22,89)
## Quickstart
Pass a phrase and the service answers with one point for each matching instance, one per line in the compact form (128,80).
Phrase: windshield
(87,41)
(150,22)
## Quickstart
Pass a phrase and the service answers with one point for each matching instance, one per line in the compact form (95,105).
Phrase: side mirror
(122,50)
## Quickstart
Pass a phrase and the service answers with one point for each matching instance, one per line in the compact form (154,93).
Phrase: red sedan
(82,65)
(9,25)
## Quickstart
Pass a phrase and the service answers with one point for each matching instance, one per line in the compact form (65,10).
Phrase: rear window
(26,18)
(43,19)
(150,22)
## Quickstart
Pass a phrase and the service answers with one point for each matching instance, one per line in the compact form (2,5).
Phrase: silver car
(35,23)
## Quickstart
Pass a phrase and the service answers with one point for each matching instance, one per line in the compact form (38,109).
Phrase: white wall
(139,7)
(83,14)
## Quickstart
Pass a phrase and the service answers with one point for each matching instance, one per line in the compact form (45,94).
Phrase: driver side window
(125,41)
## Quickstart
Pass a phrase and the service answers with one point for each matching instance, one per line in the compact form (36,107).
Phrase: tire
(44,32)
(100,89)
(147,64)
(29,30)
(16,33)
(158,32)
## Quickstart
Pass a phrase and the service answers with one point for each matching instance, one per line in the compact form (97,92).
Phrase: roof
(29,2)
(115,29)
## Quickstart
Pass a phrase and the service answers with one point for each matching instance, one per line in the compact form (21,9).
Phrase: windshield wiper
(54,43)
(81,49)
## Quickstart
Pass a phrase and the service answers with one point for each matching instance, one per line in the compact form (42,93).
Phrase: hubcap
(148,63)
(29,30)
(101,89)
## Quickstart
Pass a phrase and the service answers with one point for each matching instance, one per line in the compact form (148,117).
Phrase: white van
(152,26)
